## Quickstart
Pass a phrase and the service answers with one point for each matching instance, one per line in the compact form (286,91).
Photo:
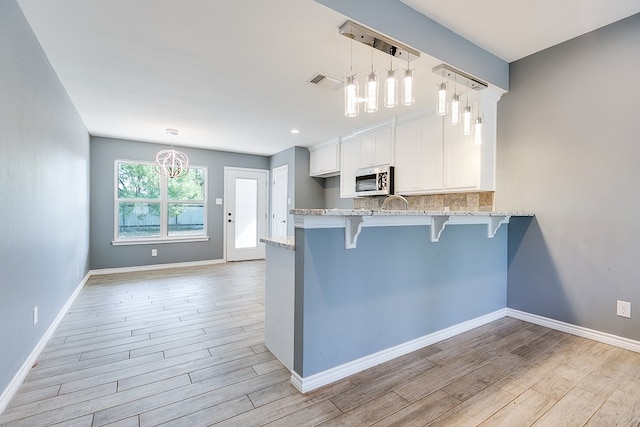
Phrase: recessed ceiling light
(295,131)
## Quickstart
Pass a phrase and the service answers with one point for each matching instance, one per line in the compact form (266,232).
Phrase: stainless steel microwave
(376,181)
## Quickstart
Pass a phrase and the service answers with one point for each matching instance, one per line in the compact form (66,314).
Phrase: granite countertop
(389,212)
(280,242)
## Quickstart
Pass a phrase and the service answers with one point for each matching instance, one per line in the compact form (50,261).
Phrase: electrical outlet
(624,309)
(35,315)
(154,252)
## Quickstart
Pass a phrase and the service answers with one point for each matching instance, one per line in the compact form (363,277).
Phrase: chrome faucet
(395,197)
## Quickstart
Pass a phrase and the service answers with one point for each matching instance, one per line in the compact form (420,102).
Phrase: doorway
(245,195)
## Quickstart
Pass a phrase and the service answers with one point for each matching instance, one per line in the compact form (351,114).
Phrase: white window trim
(164,202)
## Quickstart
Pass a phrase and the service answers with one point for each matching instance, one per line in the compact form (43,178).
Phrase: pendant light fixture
(351,91)
(171,163)
(477,127)
(455,104)
(391,88)
(466,118)
(407,85)
(371,91)
(468,81)
(441,105)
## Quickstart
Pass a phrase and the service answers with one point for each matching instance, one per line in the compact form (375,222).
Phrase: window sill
(130,242)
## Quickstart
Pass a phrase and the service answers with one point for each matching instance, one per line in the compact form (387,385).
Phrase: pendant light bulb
(441,106)
(477,131)
(351,95)
(351,89)
(407,87)
(391,88)
(455,109)
(371,90)
(371,95)
(466,120)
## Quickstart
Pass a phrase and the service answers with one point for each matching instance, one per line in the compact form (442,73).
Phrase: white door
(279,201)
(245,219)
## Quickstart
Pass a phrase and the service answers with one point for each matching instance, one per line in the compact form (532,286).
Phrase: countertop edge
(380,212)
(280,242)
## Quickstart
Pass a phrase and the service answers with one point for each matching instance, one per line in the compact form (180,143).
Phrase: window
(150,207)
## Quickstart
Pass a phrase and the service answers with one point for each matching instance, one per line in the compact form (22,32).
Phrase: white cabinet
(461,160)
(365,150)
(349,164)
(418,156)
(325,160)
(375,148)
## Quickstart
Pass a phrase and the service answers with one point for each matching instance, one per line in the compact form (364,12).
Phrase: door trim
(225,205)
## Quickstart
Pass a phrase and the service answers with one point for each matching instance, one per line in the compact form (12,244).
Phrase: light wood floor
(185,347)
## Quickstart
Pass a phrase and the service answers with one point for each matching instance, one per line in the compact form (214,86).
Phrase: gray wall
(44,182)
(104,152)
(332,194)
(568,150)
(303,191)
(396,286)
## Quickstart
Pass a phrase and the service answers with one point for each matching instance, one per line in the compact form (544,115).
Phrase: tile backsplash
(473,202)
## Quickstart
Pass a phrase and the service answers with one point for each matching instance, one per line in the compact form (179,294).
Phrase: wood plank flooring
(185,347)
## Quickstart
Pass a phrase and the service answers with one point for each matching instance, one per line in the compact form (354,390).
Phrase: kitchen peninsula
(357,287)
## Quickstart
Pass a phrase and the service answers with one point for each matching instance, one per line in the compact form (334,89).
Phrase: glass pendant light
(351,105)
(441,106)
(477,131)
(351,91)
(466,120)
(455,109)
(391,88)
(371,91)
(407,86)
(371,102)
(477,127)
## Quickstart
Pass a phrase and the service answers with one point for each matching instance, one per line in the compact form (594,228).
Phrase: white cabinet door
(349,163)
(375,148)
(461,159)
(418,159)
(324,161)
(407,167)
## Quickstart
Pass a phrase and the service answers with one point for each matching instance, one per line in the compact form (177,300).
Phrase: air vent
(325,81)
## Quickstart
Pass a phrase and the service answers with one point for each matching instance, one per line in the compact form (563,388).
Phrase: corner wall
(44,181)
(568,150)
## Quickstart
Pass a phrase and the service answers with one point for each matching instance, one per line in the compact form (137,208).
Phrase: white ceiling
(514,29)
(233,75)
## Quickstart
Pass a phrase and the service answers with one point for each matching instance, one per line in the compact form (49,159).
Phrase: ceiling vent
(325,81)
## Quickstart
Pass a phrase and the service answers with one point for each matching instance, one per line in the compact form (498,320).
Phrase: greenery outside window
(150,207)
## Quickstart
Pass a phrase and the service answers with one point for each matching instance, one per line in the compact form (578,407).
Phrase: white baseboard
(22,373)
(329,376)
(580,331)
(155,267)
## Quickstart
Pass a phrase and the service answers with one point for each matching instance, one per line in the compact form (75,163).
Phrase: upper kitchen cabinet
(372,147)
(376,148)
(418,156)
(349,164)
(325,159)
(461,159)
(468,166)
